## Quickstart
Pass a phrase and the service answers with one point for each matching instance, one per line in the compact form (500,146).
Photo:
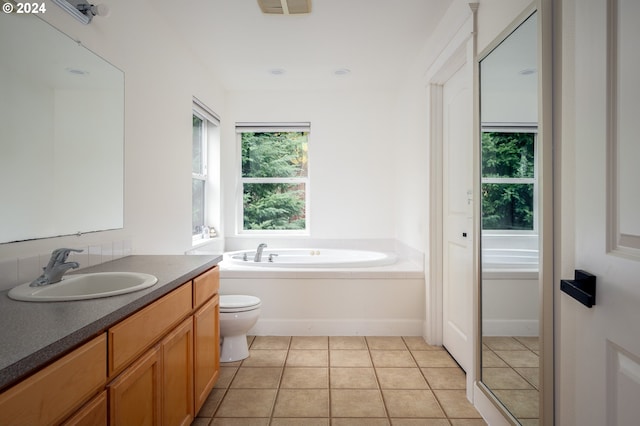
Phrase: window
(205,130)
(509,179)
(274,178)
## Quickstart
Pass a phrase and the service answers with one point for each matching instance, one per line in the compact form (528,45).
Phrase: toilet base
(234,348)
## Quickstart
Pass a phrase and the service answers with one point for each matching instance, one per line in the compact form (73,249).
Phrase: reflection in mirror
(510,240)
(61,134)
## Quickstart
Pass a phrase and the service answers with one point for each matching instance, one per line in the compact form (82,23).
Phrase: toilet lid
(238,303)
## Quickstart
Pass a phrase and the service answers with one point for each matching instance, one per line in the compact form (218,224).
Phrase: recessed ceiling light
(76,71)
(342,71)
(277,71)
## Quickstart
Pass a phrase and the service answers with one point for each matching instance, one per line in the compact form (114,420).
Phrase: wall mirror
(510,231)
(61,134)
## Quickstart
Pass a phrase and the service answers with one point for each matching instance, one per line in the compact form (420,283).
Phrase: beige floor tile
(401,378)
(503,343)
(257,378)
(386,343)
(308,358)
(305,378)
(239,422)
(504,378)
(356,403)
(231,364)
(371,421)
(532,343)
(519,358)
(347,342)
(521,403)
(247,403)
(353,378)
(302,403)
(417,343)
(392,359)
(225,377)
(299,422)
(271,342)
(468,422)
(349,358)
(419,422)
(531,374)
(211,403)
(445,377)
(309,342)
(265,358)
(201,421)
(434,359)
(490,359)
(456,404)
(411,403)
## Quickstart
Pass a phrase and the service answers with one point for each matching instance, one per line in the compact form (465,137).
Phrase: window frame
(245,127)
(514,128)
(209,120)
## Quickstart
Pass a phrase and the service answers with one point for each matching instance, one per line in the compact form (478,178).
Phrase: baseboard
(340,327)
(510,328)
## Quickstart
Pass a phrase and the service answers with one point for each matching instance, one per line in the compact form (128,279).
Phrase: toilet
(238,313)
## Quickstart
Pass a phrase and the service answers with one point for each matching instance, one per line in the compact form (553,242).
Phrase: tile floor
(340,381)
(510,367)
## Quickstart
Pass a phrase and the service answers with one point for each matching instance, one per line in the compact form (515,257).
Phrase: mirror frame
(545,204)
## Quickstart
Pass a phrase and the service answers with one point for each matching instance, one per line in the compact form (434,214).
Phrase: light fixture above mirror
(82,10)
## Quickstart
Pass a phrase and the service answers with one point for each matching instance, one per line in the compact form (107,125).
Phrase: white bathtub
(334,292)
(310,258)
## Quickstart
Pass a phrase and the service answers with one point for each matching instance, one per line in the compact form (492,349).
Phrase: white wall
(351,151)
(161,77)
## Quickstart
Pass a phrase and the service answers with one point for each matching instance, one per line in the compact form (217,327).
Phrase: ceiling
(376,40)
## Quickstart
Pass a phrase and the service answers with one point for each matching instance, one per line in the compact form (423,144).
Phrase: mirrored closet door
(511,167)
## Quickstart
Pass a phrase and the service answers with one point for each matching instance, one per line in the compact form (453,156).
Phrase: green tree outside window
(274,176)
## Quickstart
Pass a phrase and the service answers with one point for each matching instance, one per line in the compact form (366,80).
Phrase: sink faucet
(258,256)
(56,267)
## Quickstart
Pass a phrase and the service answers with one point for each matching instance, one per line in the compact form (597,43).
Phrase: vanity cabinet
(155,367)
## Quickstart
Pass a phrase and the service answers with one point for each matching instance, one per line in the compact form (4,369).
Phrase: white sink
(84,286)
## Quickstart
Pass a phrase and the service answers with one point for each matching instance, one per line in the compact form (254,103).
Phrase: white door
(599,363)
(457,170)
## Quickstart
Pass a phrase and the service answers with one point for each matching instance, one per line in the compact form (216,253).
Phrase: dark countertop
(32,334)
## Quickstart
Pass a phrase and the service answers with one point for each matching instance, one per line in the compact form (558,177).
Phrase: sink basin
(84,286)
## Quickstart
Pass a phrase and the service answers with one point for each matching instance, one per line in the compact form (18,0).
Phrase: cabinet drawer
(93,413)
(131,337)
(56,391)
(205,286)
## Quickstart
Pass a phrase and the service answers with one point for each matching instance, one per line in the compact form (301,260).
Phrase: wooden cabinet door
(177,375)
(135,397)
(206,325)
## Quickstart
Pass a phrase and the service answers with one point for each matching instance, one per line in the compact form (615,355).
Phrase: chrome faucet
(258,256)
(56,267)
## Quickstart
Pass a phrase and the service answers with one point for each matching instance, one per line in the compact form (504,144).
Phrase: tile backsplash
(18,270)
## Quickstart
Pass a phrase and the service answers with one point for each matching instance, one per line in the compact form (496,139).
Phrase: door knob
(582,288)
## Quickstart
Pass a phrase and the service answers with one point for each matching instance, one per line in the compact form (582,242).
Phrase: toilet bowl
(238,313)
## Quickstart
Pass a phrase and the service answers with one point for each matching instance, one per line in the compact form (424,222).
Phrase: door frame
(459,52)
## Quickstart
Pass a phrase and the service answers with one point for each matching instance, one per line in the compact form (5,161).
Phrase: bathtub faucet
(258,256)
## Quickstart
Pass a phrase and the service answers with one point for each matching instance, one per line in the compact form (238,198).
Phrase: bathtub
(330,291)
(310,258)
